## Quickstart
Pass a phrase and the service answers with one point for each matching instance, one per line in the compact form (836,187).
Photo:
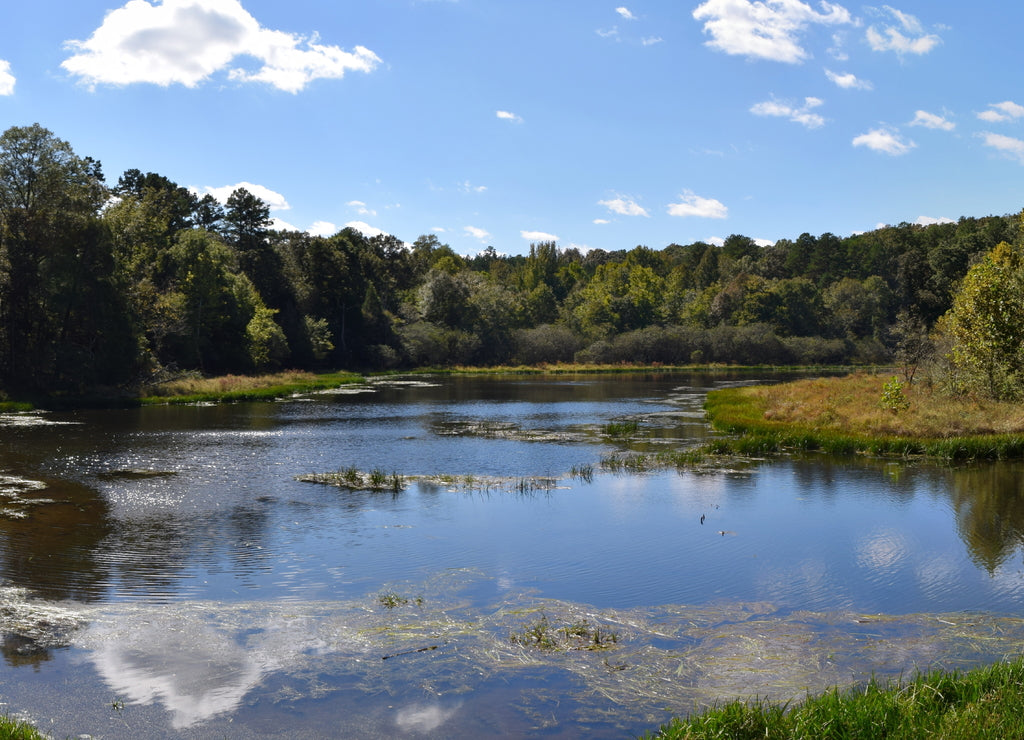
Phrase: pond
(164,572)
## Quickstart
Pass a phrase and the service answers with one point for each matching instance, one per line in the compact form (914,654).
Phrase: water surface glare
(163,573)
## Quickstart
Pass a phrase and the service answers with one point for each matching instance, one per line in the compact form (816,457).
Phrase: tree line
(114,285)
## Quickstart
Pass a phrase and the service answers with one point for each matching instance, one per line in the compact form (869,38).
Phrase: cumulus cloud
(476,233)
(624,207)
(769,29)
(1005,111)
(275,200)
(538,236)
(1011,147)
(187,41)
(625,13)
(885,141)
(930,221)
(930,120)
(6,78)
(364,228)
(601,221)
(323,228)
(801,115)
(906,36)
(848,81)
(508,116)
(691,204)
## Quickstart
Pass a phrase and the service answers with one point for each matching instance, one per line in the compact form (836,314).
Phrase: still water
(163,573)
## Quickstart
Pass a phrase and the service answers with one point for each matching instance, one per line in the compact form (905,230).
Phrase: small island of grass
(866,413)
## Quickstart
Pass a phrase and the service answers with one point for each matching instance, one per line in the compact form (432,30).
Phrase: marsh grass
(984,703)
(196,389)
(855,414)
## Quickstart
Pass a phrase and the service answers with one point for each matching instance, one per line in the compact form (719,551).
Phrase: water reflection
(990,511)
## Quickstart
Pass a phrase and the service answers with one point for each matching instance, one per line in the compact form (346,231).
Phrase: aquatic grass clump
(980,704)
(578,635)
(391,600)
(353,479)
(621,429)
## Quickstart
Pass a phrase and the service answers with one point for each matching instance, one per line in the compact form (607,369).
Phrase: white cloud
(361,208)
(476,233)
(624,207)
(364,228)
(1005,111)
(538,236)
(768,29)
(929,221)
(610,33)
(1008,145)
(278,225)
(930,120)
(467,187)
(601,221)
(323,228)
(6,78)
(848,81)
(692,204)
(625,13)
(651,40)
(275,200)
(186,41)
(884,140)
(801,115)
(895,38)
(508,116)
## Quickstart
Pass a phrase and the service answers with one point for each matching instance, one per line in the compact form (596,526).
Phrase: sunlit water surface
(164,574)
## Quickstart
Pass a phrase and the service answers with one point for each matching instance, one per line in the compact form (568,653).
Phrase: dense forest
(113,285)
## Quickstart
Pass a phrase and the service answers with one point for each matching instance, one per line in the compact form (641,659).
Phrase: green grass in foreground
(12,729)
(984,703)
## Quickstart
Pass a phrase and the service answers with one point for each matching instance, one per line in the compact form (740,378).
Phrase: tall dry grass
(853,404)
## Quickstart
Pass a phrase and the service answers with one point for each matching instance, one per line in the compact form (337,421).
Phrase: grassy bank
(228,388)
(865,413)
(984,703)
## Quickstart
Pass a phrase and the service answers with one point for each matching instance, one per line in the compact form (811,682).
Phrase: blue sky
(499,124)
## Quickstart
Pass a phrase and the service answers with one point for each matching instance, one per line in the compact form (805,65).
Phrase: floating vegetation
(577,635)
(390,600)
(353,479)
(30,419)
(14,504)
(492,429)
